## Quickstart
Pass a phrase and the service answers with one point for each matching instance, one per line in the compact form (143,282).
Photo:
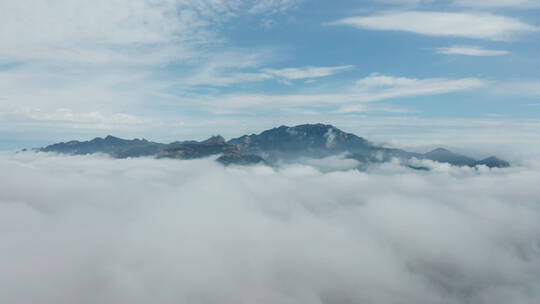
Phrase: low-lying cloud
(89,229)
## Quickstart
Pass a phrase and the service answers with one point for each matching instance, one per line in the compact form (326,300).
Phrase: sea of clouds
(89,229)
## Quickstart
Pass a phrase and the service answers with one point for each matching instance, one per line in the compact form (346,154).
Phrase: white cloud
(470,51)
(477,4)
(63,115)
(376,80)
(379,87)
(94,230)
(369,89)
(494,115)
(40,93)
(103,64)
(463,24)
(306,72)
(273,6)
(401,2)
(141,32)
(326,164)
(224,72)
(521,4)
(95,32)
(527,88)
(361,108)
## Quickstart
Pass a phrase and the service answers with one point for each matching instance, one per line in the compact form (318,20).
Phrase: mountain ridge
(269,146)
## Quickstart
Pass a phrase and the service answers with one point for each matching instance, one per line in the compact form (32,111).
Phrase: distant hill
(114,146)
(270,146)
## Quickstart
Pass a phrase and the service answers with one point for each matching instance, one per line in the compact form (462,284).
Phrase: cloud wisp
(125,32)
(468,50)
(226,74)
(490,4)
(375,87)
(97,230)
(307,72)
(462,24)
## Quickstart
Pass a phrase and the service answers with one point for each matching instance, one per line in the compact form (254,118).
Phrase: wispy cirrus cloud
(141,32)
(443,24)
(272,6)
(365,108)
(403,86)
(309,72)
(373,88)
(224,74)
(468,50)
(477,4)
(401,2)
(519,4)
(526,88)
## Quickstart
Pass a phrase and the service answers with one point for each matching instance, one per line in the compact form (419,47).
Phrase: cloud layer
(96,230)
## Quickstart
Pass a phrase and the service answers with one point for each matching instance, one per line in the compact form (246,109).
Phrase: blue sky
(408,72)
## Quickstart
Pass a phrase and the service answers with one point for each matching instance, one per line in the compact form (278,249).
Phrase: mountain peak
(110,138)
(214,140)
(301,140)
(493,162)
(440,150)
(313,127)
(446,156)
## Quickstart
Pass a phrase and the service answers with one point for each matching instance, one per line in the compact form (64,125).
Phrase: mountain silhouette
(270,146)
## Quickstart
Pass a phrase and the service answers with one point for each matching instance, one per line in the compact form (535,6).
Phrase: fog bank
(89,229)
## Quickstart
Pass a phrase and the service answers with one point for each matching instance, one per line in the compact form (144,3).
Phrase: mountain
(193,149)
(123,148)
(445,156)
(310,139)
(270,146)
(493,162)
(314,140)
(114,146)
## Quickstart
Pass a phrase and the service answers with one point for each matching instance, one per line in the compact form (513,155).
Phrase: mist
(90,229)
